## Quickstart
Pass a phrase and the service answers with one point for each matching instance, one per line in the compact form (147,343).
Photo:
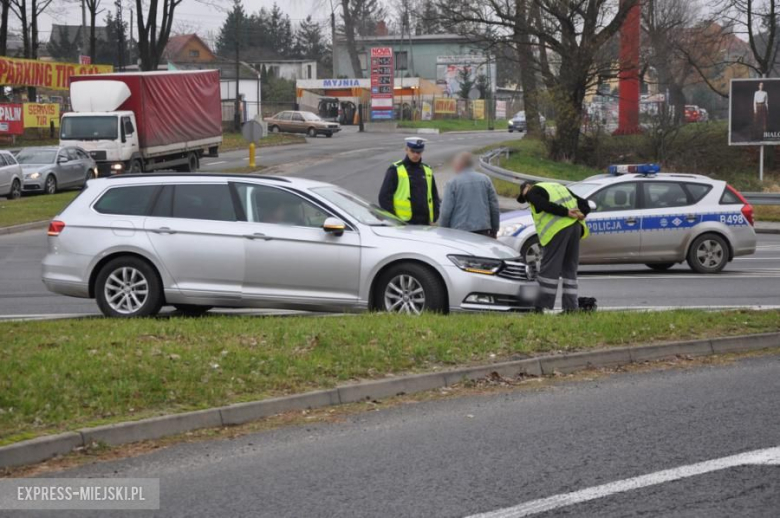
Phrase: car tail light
(747,208)
(55,227)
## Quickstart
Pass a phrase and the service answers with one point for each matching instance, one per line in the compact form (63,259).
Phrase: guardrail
(487,165)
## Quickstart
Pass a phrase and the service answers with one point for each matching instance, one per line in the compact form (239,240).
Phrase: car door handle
(631,221)
(164,230)
(258,235)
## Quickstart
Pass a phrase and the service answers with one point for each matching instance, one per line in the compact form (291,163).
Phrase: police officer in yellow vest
(559,217)
(409,190)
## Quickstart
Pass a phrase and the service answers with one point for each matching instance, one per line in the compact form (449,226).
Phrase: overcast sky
(191,15)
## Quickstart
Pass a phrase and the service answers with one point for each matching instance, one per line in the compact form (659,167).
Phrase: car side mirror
(334,226)
(592,205)
(63,160)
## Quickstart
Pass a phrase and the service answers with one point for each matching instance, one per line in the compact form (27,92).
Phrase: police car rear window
(697,191)
(729,198)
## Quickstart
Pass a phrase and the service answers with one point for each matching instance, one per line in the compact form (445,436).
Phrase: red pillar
(628,108)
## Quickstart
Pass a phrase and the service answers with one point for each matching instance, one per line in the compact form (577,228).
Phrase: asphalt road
(479,454)
(358,161)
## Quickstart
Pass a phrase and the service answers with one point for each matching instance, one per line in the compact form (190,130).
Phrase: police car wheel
(709,253)
(410,288)
(531,251)
(660,267)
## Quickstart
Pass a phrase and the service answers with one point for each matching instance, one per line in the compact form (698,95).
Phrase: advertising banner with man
(11,120)
(41,115)
(754,112)
(44,74)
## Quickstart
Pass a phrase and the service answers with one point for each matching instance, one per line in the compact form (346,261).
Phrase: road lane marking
(217,163)
(766,457)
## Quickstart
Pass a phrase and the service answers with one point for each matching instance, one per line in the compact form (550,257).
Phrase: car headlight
(34,176)
(511,123)
(483,265)
(510,230)
(117,167)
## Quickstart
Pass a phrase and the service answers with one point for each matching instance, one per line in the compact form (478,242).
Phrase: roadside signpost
(382,82)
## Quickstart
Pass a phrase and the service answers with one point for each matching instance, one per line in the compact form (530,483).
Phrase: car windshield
(310,116)
(582,189)
(360,209)
(36,156)
(97,127)
(519,115)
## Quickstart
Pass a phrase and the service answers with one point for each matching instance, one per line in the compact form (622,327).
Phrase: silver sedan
(50,169)
(136,243)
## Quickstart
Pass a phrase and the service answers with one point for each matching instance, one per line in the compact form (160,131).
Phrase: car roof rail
(218,175)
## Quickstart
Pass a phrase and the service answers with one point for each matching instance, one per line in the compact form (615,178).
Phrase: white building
(292,69)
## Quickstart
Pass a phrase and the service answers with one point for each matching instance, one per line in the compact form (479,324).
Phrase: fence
(435,107)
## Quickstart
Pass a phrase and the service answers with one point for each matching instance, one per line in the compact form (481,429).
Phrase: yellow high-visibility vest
(402,199)
(547,225)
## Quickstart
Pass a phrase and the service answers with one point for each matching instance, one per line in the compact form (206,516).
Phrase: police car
(647,217)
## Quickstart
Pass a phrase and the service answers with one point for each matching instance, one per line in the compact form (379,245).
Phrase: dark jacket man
(423,201)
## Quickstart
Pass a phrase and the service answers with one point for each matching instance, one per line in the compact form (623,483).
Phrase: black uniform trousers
(560,260)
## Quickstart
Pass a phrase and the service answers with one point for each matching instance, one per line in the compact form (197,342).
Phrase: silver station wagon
(138,242)
(657,219)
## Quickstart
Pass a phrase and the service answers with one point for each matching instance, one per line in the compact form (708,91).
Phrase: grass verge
(767,212)
(29,142)
(67,374)
(445,125)
(232,141)
(33,208)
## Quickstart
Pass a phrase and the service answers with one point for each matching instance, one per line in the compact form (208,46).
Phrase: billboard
(11,119)
(447,106)
(754,112)
(38,115)
(44,74)
(451,69)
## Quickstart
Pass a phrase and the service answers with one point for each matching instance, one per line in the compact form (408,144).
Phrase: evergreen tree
(236,22)
(309,41)
(280,32)
(63,50)
(466,82)
(429,21)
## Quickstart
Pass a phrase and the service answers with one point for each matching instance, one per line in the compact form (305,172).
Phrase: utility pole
(332,41)
(130,43)
(237,115)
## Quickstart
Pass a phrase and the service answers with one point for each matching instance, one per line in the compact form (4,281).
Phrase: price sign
(382,79)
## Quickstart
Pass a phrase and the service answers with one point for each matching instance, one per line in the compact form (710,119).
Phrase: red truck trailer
(145,121)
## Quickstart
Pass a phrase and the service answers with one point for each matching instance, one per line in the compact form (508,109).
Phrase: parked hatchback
(50,169)
(301,122)
(10,176)
(136,243)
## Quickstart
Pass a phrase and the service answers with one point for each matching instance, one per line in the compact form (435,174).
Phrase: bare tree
(349,9)
(155,21)
(93,7)
(567,38)
(28,14)
(4,28)
(671,32)
(756,21)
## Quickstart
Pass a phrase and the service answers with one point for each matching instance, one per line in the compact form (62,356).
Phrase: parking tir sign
(382,78)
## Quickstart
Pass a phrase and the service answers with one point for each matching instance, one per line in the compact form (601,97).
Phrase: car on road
(196,241)
(654,219)
(50,169)
(518,122)
(11,176)
(301,122)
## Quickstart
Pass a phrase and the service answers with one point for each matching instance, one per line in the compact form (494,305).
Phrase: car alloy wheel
(16,191)
(709,254)
(126,290)
(404,294)
(51,185)
(312,132)
(533,254)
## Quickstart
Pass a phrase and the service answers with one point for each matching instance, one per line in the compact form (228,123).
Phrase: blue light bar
(644,169)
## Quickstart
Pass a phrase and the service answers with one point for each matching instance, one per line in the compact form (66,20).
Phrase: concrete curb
(24,227)
(764,230)
(42,448)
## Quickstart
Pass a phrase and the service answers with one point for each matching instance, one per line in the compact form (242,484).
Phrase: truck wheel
(312,132)
(135,167)
(50,187)
(192,163)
